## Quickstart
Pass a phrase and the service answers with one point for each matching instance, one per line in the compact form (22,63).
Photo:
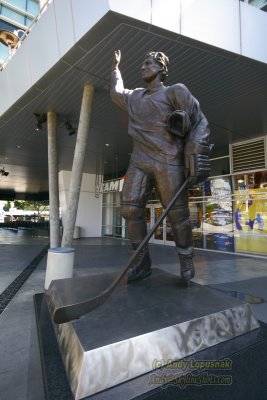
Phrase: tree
(38,206)
(29,205)
(20,205)
(7,206)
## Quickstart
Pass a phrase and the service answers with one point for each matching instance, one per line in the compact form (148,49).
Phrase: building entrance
(163,234)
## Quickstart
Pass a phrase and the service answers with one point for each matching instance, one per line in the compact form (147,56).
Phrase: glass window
(218,216)
(220,166)
(18,3)
(250,212)
(117,222)
(232,216)
(7,12)
(5,25)
(112,223)
(196,216)
(117,199)
(3,53)
(28,21)
(107,220)
(104,199)
(32,7)
(211,216)
(253,180)
(169,231)
(257,3)
(158,235)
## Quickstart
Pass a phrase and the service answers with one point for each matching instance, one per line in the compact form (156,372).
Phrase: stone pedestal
(142,327)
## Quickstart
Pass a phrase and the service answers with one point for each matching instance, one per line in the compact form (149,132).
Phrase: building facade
(16,16)
(228,212)
(224,66)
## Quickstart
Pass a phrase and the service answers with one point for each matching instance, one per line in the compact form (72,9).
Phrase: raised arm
(116,59)
(117,91)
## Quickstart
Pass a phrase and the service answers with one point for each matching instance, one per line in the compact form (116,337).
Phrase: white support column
(54,270)
(77,167)
(89,213)
(53,180)
(60,261)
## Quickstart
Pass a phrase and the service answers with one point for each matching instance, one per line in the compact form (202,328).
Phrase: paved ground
(20,368)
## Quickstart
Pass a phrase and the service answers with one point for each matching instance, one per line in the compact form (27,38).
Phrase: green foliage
(38,206)
(20,205)
(26,205)
(211,207)
(7,206)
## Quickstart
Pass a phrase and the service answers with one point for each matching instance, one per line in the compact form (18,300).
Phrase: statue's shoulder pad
(179,87)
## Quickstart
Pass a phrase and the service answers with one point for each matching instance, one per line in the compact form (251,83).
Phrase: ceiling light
(9,39)
(3,172)
(41,118)
(70,128)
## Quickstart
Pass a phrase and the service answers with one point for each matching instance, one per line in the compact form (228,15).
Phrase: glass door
(169,238)
(159,233)
(163,233)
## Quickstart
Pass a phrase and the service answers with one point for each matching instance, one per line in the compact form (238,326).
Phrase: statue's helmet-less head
(163,60)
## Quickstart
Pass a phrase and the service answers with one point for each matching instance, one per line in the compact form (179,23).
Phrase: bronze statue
(170,142)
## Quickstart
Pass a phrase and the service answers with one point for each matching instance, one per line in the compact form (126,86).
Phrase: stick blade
(73,312)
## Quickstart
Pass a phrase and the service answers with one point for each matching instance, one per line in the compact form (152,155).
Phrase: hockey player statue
(170,142)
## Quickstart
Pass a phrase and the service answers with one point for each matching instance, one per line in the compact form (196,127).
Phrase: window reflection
(231,215)
(250,212)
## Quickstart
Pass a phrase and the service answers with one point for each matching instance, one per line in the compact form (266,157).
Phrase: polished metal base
(143,326)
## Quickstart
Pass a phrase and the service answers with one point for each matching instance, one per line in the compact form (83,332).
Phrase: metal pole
(53,180)
(77,166)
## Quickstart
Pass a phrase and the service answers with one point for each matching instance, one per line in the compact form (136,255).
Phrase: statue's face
(150,69)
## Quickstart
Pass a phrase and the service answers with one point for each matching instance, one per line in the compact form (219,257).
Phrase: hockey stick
(74,311)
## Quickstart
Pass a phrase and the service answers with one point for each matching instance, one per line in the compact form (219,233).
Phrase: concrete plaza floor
(20,366)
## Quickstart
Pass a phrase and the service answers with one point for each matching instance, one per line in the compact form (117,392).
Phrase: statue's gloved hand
(197,162)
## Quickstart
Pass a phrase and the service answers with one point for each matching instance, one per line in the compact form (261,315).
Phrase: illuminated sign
(111,186)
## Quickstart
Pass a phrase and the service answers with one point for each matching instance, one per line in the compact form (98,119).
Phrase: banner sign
(111,186)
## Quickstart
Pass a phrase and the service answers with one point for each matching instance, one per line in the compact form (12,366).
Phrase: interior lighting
(41,118)
(70,128)
(3,172)
(9,39)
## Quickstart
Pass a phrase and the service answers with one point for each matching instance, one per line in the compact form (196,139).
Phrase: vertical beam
(53,180)
(77,166)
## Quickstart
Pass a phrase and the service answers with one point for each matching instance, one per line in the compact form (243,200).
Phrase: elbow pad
(179,123)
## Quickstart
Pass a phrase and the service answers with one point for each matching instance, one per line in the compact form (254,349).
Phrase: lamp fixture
(70,128)
(41,118)
(9,38)
(3,172)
